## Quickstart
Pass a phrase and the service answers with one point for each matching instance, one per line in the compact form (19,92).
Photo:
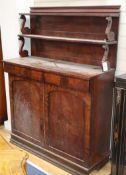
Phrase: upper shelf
(76,34)
(100,11)
(73,40)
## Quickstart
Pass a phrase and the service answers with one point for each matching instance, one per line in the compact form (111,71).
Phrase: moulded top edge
(77,9)
(116,7)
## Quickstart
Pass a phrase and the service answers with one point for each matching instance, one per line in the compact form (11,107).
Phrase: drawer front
(23,72)
(67,82)
(50,78)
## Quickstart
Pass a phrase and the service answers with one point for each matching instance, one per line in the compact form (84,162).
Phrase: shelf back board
(91,23)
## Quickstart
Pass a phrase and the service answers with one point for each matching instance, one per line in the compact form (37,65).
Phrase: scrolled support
(22,53)
(105,62)
(110,35)
(106,52)
(23,29)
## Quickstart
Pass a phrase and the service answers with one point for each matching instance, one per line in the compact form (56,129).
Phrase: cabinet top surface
(62,67)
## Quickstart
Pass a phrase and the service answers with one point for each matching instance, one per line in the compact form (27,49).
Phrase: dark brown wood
(22,52)
(67,96)
(83,53)
(22,25)
(100,11)
(75,40)
(61,100)
(53,36)
(90,10)
(3,110)
(119,127)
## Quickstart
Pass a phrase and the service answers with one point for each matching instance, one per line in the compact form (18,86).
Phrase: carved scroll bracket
(108,32)
(24,29)
(106,52)
(105,62)
(22,53)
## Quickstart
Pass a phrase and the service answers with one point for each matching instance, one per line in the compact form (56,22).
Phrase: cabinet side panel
(102,92)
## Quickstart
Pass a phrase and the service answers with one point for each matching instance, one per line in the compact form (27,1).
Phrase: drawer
(53,78)
(78,84)
(24,72)
(67,82)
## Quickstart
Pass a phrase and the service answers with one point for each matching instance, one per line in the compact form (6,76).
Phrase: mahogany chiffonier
(3,110)
(119,127)
(61,95)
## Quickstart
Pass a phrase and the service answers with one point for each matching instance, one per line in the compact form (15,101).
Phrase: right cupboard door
(67,122)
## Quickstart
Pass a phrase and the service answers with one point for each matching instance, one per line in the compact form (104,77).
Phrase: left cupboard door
(27,109)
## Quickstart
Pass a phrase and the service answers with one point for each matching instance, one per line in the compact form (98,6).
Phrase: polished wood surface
(66,39)
(58,110)
(61,100)
(82,10)
(3,111)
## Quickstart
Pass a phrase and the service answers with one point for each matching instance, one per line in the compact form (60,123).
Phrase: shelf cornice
(82,10)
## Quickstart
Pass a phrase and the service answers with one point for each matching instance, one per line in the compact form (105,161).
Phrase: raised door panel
(67,122)
(27,109)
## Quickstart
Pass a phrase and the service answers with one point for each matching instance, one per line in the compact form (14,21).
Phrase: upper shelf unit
(85,35)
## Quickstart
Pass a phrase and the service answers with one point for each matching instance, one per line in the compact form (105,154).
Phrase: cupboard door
(27,109)
(67,121)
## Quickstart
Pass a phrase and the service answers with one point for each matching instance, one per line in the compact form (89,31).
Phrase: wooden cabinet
(3,111)
(119,128)
(61,99)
